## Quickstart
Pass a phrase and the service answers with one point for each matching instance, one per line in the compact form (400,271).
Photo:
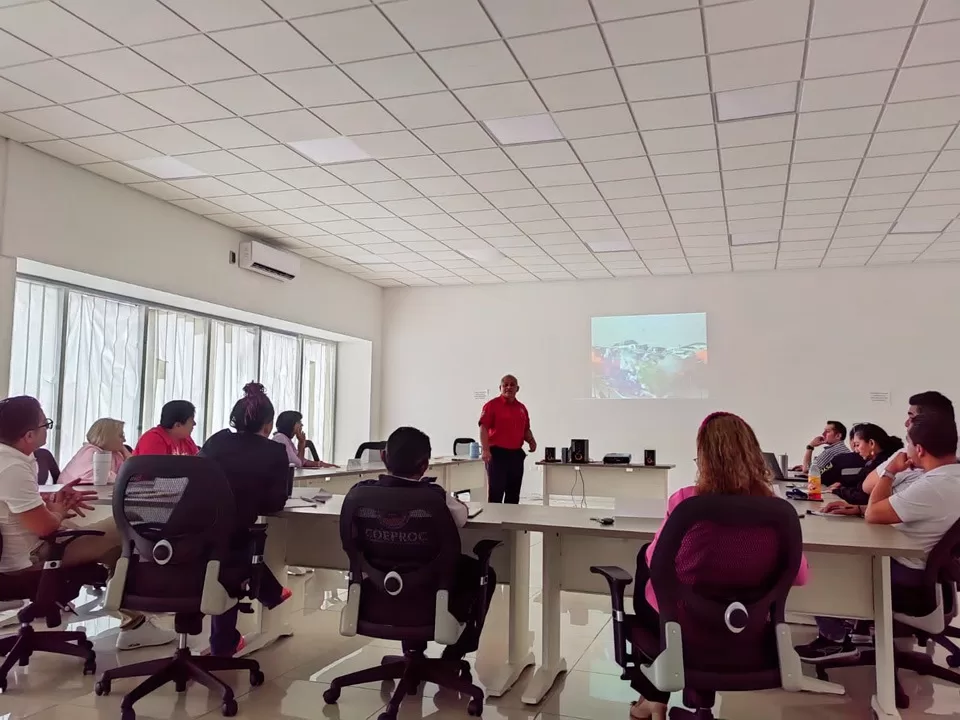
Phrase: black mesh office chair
(176,515)
(312,451)
(461,446)
(370,451)
(47,468)
(403,547)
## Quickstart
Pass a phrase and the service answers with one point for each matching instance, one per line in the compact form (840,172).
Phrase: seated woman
(26,516)
(172,435)
(729,462)
(257,470)
(290,426)
(105,435)
(875,447)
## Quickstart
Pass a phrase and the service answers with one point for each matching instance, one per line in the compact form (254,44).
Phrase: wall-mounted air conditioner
(266,260)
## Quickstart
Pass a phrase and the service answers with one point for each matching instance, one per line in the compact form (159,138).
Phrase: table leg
(552,664)
(545,473)
(270,625)
(519,654)
(884,702)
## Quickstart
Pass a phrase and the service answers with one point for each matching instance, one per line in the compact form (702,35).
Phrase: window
(280,369)
(101,367)
(316,394)
(35,351)
(233,363)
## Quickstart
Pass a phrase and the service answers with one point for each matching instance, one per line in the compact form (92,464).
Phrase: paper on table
(292,503)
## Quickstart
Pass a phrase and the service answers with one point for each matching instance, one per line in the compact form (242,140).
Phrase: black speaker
(579,451)
(649,457)
(565,454)
(549,454)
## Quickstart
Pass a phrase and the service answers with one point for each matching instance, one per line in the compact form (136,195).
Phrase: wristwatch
(888,474)
(810,447)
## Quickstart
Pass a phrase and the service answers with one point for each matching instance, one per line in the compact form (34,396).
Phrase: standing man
(504,427)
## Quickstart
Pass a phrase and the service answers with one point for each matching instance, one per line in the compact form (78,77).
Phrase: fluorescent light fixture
(166,168)
(524,129)
(330,150)
(756,102)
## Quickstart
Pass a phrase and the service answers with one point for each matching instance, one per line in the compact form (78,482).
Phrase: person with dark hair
(874,447)
(172,435)
(504,428)
(928,401)
(258,473)
(290,426)
(26,516)
(924,511)
(407,457)
(832,441)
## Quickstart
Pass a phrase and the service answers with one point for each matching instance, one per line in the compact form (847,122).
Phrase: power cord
(578,475)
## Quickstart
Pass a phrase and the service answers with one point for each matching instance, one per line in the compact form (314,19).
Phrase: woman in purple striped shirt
(289,427)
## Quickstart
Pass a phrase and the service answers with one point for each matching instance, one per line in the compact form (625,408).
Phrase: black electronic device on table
(550,454)
(579,451)
(649,458)
(617,459)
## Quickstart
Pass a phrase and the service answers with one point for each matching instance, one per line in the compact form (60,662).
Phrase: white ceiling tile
(162,190)
(535,16)
(897,164)
(116,147)
(947,160)
(205,207)
(561,52)
(818,190)
(60,121)
(256,182)
(418,167)
(394,76)
(205,187)
(748,212)
(271,48)
(388,190)
(762,66)
(56,80)
(14,97)
(845,92)
(118,172)
(473,65)
(507,199)
(834,148)
(308,177)
(407,208)
(337,195)
(755,132)
(673,78)
(593,122)
(581,90)
(557,175)
(194,59)
(530,213)
(929,81)
(391,144)
(358,118)
(499,180)
(677,112)
(20,131)
(247,96)
(242,203)
(359,34)
(467,203)
(431,24)
(752,156)
(752,24)
(287,199)
(826,170)
(441,108)
(659,37)
(130,21)
(292,126)
(172,140)
(855,53)
(909,141)
(319,213)
(119,113)
(623,169)
(438,186)
(620,9)
(812,207)
(478,161)
(211,15)
(925,198)
(659,142)
(609,147)
(686,201)
(500,101)
(230,133)
(750,196)
(831,123)
(217,162)
(541,154)
(697,182)
(754,177)
(839,17)
(272,157)
(181,104)
(620,189)
(919,114)
(877,202)
(16,52)
(319,86)
(756,102)
(53,29)
(67,151)
(165,167)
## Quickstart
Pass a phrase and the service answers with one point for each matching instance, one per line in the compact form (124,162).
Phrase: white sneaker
(147,634)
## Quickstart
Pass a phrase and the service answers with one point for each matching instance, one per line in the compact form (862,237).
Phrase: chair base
(18,649)
(180,669)
(411,670)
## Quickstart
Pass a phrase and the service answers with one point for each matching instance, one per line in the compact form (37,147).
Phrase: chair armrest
(617,579)
(59,540)
(484,549)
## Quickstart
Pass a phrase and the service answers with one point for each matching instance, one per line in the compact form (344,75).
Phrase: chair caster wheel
(180,686)
(3,685)
(24,661)
(257,678)
(90,664)
(331,695)
(475,708)
(953,661)
(229,708)
(102,688)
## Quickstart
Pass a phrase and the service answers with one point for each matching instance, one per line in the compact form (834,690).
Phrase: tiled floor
(299,668)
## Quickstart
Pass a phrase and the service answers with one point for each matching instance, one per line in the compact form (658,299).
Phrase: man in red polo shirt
(504,427)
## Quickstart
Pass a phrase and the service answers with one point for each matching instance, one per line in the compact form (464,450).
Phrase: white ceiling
(855,160)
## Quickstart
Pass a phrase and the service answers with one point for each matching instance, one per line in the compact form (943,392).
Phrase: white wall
(787,350)
(61,215)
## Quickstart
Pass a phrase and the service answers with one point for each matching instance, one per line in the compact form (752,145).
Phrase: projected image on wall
(649,356)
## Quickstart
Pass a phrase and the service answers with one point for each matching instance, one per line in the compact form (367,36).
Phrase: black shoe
(822,649)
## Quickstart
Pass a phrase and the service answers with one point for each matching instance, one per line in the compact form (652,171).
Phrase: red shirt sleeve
(150,444)
(486,416)
(189,447)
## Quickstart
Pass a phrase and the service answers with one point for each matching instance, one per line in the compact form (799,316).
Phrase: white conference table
(595,479)
(849,574)
(453,474)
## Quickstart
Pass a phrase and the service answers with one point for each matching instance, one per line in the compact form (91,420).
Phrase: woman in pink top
(729,462)
(105,435)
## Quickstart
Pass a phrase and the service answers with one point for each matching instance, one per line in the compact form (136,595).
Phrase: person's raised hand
(817,441)
(899,463)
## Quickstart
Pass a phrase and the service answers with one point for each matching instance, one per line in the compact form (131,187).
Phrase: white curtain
(102,365)
(176,365)
(317,394)
(35,350)
(280,369)
(233,363)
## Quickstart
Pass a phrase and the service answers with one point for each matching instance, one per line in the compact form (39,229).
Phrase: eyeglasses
(48,425)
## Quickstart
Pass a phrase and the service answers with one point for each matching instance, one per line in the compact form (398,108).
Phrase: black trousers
(505,475)
(648,619)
